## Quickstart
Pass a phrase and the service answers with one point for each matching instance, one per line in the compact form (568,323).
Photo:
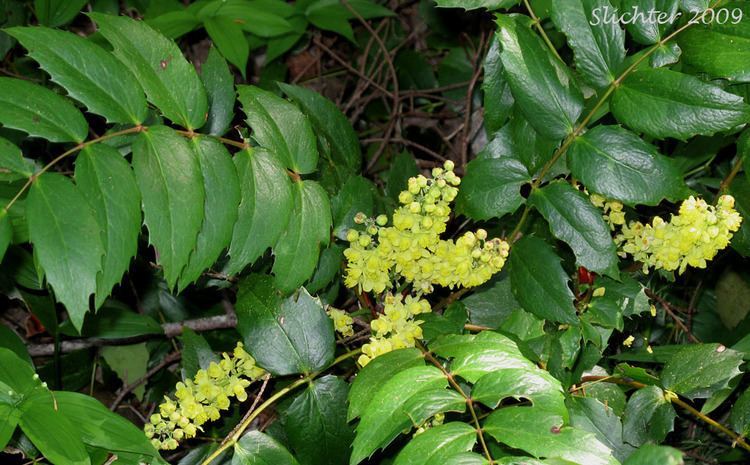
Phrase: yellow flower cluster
(690,238)
(342,322)
(412,248)
(396,327)
(613,214)
(201,399)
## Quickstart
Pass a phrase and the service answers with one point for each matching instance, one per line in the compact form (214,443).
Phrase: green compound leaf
(701,370)
(67,242)
(408,398)
(539,282)
(171,184)
(492,188)
(477,355)
(543,435)
(219,84)
(651,454)
(663,103)
(265,206)
(538,386)
(89,73)
(51,431)
(328,120)
(256,448)
(170,81)
(106,430)
(230,39)
(222,188)
(576,221)
(309,228)
(721,49)
(286,336)
(599,48)
(376,373)
(316,426)
(106,180)
(648,417)
(619,165)
(280,127)
(438,444)
(542,86)
(40,112)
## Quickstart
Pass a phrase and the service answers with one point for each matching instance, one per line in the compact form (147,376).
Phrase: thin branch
(168,360)
(668,308)
(256,401)
(478,69)
(170,330)
(728,180)
(75,149)
(542,32)
(398,140)
(469,401)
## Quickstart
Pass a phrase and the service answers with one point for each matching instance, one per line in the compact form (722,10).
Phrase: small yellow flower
(628,342)
(342,322)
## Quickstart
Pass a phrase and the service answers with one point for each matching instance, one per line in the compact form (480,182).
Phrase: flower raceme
(202,398)
(412,249)
(342,322)
(396,328)
(412,252)
(690,238)
(613,210)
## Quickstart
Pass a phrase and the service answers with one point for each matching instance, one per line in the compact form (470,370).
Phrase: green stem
(469,401)
(111,135)
(238,432)
(75,149)
(542,32)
